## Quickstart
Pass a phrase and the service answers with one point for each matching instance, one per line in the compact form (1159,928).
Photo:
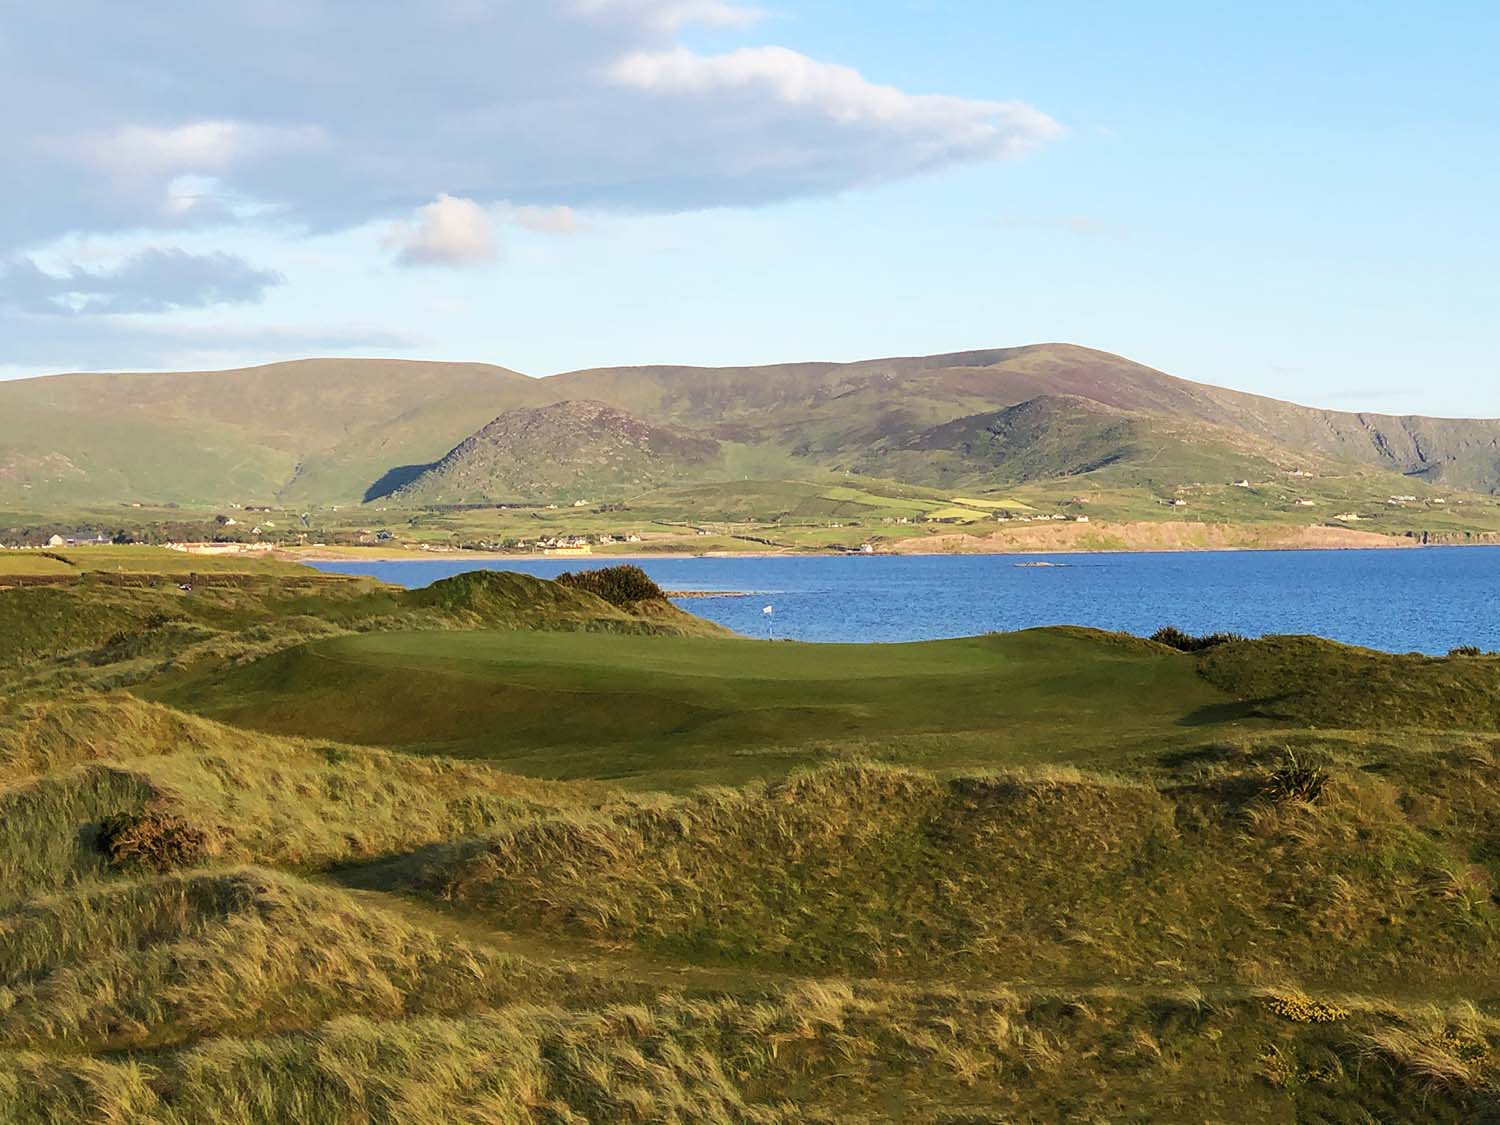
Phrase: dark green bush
(618,585)
(1467,650)
(1173,637)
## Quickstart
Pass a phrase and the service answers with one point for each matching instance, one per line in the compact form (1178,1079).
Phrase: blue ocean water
(1427,600)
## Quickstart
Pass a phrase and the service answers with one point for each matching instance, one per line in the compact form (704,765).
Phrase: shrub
(1302,1009)
(1293,781)
(153,839)
(1466,650)
(618,585)
(1173,637)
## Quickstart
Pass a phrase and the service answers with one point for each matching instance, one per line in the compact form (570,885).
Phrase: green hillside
(566,450)
(345,431)
(827,408)
(312,430)
(1064,436)
(291,848)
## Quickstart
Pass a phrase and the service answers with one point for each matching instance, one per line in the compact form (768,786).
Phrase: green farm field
(78,561)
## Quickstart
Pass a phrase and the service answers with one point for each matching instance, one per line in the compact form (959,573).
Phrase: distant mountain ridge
(343,430)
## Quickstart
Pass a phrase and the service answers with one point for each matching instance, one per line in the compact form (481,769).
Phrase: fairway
(675,711)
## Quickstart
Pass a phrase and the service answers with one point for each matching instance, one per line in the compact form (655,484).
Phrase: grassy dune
(287,802)
(502,851)
(1043,876)
(816,1052)
(100,634)
(172,959)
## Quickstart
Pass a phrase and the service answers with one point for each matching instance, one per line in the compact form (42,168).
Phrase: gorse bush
(1303,1009)
(618,585)
(1173,637)
(154,839)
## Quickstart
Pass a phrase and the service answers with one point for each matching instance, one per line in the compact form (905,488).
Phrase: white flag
(768,611)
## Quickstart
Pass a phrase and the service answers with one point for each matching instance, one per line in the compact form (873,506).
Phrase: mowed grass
(30,564)
(674,711)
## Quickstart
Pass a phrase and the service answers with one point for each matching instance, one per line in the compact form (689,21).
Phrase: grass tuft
(1294,780)
(1173,637)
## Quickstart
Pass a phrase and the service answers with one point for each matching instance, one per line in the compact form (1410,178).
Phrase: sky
(1293,199)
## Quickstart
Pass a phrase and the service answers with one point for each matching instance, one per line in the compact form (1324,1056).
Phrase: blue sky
(1297,200)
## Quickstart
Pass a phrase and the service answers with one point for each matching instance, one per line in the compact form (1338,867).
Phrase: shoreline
(1070,538)
(1018,552)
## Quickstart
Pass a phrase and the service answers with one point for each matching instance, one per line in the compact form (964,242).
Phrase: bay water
(1401,600)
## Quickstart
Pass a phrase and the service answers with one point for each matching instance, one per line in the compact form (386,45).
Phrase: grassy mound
(816,1052)
(1061,877)
(277,801)
(47,737)
(1315,682)
(98,634)
(487,599)
(176,958)
(49,827)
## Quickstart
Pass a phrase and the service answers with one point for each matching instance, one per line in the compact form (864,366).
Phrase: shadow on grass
(1233,712)
(395,479)
(400,871)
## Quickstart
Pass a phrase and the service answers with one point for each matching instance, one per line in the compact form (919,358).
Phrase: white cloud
(544,220)
(459,232)
(328,117)
(840,95)
(446,232)
(441,121)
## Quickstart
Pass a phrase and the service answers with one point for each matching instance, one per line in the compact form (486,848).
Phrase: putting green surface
(671,711)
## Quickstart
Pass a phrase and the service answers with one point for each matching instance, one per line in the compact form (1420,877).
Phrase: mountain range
(425,433)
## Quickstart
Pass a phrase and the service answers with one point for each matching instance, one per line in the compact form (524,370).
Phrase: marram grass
(1057,876)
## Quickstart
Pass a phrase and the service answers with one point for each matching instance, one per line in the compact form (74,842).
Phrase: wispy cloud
(150,281)
(35,346)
